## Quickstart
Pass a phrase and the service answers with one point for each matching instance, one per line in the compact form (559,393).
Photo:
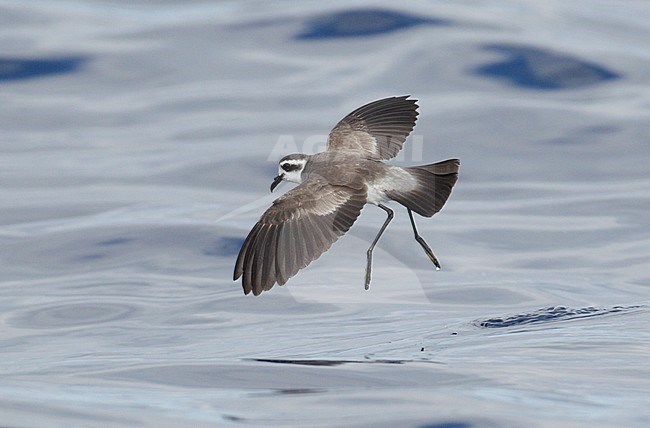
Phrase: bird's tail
(435,182)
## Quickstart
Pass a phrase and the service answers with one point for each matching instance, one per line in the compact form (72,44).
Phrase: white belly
(395,179)
(376,195)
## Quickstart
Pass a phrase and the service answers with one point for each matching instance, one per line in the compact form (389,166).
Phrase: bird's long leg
(422,243)
(372,246)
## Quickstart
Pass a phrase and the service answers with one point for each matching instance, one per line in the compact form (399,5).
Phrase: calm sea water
(138,141)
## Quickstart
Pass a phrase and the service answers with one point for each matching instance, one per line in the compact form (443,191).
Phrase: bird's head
(290,169)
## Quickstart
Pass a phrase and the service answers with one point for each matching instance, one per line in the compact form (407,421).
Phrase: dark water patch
(90,257)
(95,256)
(72,315)
(447,425)
(600,129)
(326,363)
(114,241)
(233,418)
(552,313)
(12,68)
(228,246)
(535,68)
(299,391)
(362,23)
(290,391)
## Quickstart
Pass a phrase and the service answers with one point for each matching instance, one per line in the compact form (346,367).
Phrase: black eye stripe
(290,167)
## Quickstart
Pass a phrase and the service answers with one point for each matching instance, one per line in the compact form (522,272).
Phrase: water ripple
(551,313)
(72,315)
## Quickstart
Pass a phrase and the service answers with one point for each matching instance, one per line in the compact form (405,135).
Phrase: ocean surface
(138,140)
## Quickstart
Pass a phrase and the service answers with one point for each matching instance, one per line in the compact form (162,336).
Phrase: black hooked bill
(276,181)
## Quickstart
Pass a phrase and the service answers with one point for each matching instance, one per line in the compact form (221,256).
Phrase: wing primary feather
(258,259)
(251,253)
(280,255)
(289,251)
(247,281)
(239,265)
(269,271)
(245,254)
(311,239)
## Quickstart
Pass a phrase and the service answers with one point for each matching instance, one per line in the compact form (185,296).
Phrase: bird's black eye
(289,166)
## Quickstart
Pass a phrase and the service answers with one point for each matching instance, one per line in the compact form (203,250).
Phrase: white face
(291,169)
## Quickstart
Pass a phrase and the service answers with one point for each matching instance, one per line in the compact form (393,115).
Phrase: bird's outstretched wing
(378,130)
(300,226)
